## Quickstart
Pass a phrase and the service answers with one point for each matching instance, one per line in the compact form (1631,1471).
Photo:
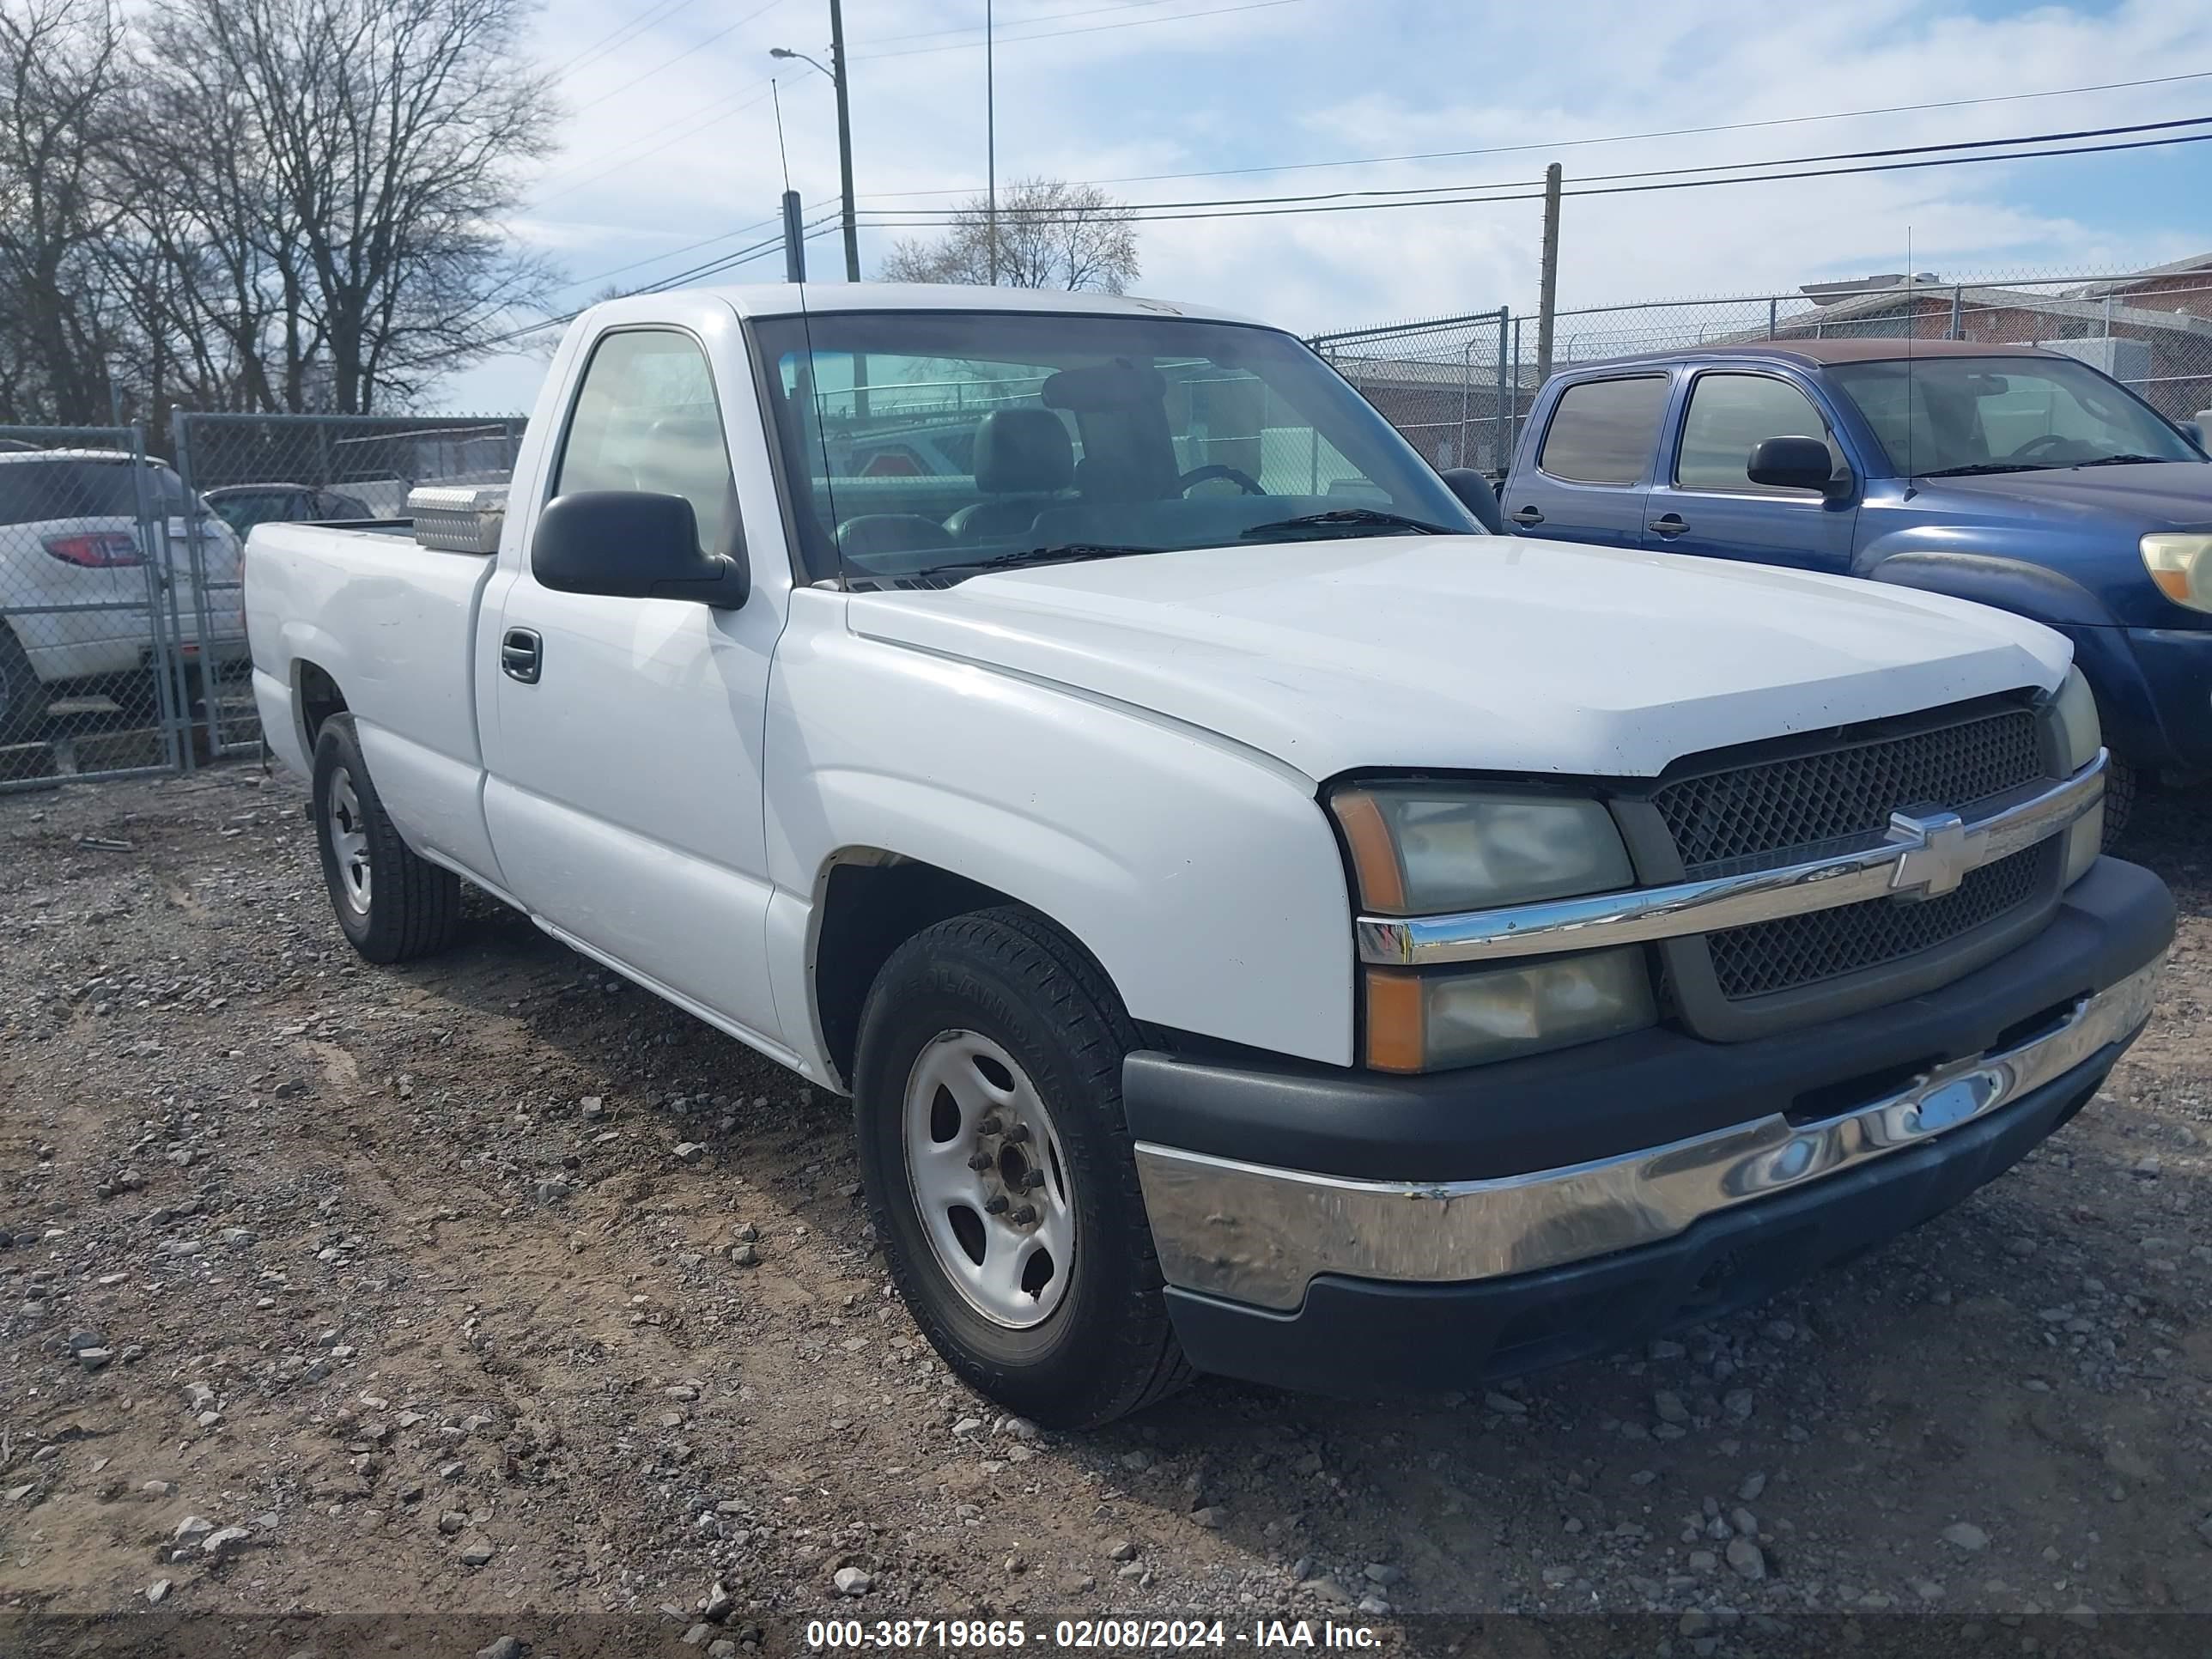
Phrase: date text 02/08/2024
(1078,1634)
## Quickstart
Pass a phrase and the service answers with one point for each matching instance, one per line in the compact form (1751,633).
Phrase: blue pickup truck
(2020,478)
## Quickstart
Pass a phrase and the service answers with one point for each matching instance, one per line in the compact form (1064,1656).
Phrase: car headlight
(1422,849)
(2181,566)
(2081,735)
(1434,848)
(1427,1022)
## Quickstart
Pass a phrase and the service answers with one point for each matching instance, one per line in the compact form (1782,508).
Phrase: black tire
(1106,1349)
(2120,784)
(22,699)
(391,905)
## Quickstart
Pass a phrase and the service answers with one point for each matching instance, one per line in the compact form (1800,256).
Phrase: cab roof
(789,299)
(1811,353)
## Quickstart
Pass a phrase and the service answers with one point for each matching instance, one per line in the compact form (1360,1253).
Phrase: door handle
(1670,524)
(1528,515)
(521,654)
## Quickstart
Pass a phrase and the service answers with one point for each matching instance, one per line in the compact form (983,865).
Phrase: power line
(1143,208)
(628,32)
(1604,190)
(671,253)
(716,120)
(1612,138)
(696,45)
(1095,28)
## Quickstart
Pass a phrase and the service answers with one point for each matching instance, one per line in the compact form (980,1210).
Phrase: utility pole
(844,138)
(794,240)
(1548,290)
(990,147)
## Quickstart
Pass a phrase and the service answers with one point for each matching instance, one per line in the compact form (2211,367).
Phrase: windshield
(1962,415)
(926,446)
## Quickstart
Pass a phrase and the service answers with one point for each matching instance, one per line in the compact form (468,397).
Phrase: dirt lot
(493,1285)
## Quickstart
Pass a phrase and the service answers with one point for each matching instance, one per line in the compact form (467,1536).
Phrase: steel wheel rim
(990,1180)
(349,840)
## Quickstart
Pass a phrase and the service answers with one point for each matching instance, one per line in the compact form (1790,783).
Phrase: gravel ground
(491,1284)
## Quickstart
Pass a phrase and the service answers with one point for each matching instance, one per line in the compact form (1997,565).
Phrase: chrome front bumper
(1259,1236)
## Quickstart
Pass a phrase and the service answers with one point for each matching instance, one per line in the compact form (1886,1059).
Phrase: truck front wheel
(999,1169)
(390,904)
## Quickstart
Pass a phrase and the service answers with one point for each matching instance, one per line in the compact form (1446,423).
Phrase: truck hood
(2153,495)
(1472,652)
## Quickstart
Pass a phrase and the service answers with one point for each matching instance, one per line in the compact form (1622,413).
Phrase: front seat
(1023,457)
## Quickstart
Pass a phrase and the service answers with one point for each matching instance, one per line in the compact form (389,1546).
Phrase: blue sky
(670,139)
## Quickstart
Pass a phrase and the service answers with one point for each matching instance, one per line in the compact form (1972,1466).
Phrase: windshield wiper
(1978,468)
(2126,460)
(1349,518)
(1057,553)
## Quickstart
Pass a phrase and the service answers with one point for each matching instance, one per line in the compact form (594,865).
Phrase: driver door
(1703,500)
(625,751)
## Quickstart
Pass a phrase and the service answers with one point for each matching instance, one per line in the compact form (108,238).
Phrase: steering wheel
(2035,448)
(1198,475)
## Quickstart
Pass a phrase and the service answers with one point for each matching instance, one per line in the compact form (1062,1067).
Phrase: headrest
(1022,451)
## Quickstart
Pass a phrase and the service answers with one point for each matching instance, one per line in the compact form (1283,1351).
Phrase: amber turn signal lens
(1395,1007)
(1374,855)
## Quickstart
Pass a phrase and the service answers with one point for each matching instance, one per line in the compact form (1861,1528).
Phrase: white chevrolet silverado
(1265,925)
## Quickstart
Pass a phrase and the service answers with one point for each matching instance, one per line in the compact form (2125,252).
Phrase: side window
(645,418)
(1728,415)
(1605,431)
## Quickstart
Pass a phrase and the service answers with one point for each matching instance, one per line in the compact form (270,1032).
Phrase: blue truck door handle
(1670,524)
(521,654)
(1528,515)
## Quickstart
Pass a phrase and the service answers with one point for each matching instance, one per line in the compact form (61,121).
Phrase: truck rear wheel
(390,904)
(987,1092)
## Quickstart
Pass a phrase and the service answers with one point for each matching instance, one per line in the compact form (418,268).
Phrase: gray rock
(552,1190)
(224,1543)
(95,1359)
(689,1151)
(1210,1515)
(851,1581)
(1505,1403)
(157,1589)
(1737,1403)
(453,1523)
(745,1254)
(1967,1536)
(507,1647)
(1752,1486)
(1669,1406)
(1380,1573)
(1745,1522)
(1122,1550)
(191,1530)
(1747,1559)
(475,1550)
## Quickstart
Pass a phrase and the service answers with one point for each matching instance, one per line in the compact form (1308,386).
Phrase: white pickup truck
(1265,925)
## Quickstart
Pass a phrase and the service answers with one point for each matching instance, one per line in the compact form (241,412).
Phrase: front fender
(1204,878)
(2124,700)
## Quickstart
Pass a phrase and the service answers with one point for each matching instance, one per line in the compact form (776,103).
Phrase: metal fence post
(1501,458)
(1773,318)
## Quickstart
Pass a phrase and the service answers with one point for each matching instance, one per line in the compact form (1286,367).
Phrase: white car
(77,585)
(1265,925)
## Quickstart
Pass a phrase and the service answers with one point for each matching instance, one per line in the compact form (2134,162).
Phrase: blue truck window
(1728,415)
(1605,431)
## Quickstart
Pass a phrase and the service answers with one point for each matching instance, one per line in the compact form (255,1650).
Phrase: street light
(844,128)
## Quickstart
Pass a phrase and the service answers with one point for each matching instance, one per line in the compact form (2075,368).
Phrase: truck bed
(396,625)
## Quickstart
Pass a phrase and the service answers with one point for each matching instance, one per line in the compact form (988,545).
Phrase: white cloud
(1322,79)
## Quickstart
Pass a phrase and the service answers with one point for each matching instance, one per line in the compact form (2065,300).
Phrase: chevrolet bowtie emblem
(1935,857)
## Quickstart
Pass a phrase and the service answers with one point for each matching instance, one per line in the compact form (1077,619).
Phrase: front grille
(1795,951)
(1775,811)
(1809,805)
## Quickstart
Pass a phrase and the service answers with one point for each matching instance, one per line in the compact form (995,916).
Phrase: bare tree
(1049,233)
(62,64)
(344,230)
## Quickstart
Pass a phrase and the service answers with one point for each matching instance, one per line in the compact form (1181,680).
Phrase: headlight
(2081,736)
(1425,1021)
(1432,849)
(1428,849)
(2181,565)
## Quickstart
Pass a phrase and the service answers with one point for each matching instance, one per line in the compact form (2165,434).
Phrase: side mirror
(2194,431)
(1792,464)
(1476,495)
(632,544)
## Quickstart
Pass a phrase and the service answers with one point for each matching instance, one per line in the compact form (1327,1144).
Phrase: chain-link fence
(1458,387)
(260,469)
(97,619)
(123,644)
